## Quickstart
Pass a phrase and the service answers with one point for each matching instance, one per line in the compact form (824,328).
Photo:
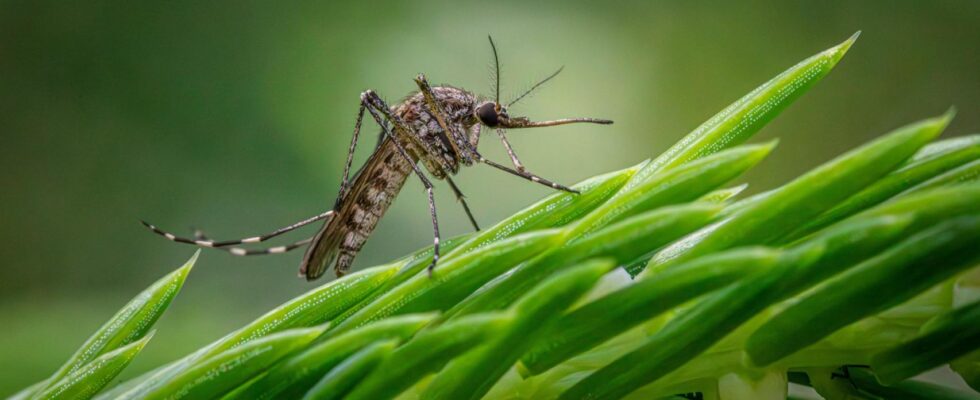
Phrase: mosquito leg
(462,200)
(203,242)
(238,251)
(523,174)
(345,184)
(377,107)
(510,151)
(436,110)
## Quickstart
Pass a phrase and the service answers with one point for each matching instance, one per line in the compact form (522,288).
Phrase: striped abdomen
(371,192)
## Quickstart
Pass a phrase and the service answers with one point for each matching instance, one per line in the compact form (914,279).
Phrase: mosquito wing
(371,193)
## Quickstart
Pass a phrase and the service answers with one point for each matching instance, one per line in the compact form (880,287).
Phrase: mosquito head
(491,113)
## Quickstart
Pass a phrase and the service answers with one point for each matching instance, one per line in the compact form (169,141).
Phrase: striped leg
(375,105)
(510,150)
(462,201)
(436,110)
(202,241)
(345,184)
(239,251)
(524,174)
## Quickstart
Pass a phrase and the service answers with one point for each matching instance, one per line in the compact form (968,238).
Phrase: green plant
(865,260)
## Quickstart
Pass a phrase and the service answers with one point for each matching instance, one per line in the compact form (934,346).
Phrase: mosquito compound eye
(487,114)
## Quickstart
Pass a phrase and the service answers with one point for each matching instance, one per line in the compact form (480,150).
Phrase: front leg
(510,150)
(440,115)
(380,112)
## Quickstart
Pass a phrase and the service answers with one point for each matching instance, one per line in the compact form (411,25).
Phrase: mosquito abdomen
(371,193)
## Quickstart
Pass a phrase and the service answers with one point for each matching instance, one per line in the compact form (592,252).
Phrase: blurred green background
(234,117)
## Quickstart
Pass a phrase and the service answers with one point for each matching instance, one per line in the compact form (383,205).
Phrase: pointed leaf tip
(193,260)
(763,149)
(841,49)
(180,274)
(949,115)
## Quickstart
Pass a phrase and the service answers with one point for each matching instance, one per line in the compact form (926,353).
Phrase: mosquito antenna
(496,71)
(536,85)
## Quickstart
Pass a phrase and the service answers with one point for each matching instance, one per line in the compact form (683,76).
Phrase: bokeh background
(234,117)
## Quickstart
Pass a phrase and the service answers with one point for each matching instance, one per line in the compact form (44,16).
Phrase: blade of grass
(710,320)
(930,207)
(967,173)
(555,210)
(774,215)
(674,186)
(968,368)
(724,194)
(943,147)
(747,115)
(472,375)
(452,280)
(604,318)
(342,379)
(913,173)
(902,271)
(308,309)
(226,370)
(942,340)
(427,353)
(88,380)
(129,324)
(678,185)
(292,376)
(909,389)
(623,242)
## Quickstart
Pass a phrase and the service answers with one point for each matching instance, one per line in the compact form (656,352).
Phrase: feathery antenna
(496,70)
(536,85)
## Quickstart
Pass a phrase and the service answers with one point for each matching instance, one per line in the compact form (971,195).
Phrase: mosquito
(436,128)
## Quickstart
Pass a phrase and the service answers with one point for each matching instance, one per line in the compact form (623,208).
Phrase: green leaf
(678,185)
(723,195)
(968,368)
(771,217)
(623,241)
(865,381)
(674,186)
(472,375)
(902,271)
(453,280)
(602,319)
(967,173)
(695,330)
(930,207)
(291,377)
(308,309)
(311,308)
(224,371)
(943,339)
(920,170)
(747,115)
(342,379)
(130,323)
(554,210)
(409,266)
(88,380)
(427,353)
(941,148)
